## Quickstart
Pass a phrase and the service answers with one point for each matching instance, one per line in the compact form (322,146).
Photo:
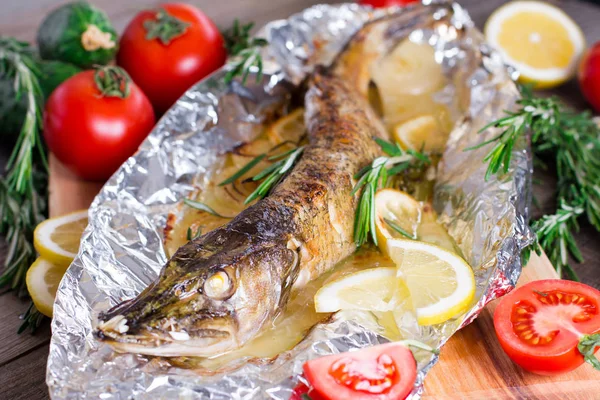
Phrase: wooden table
(23,358)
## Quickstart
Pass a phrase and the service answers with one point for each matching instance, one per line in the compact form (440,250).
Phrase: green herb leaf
(587,346)
(23,195)
(191,235)
(399,229)
(375,176)
(274,173)
(573,141)
(203,207)
(245,52)
(243,170)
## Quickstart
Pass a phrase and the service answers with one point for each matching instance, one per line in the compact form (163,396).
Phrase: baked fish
(219,290)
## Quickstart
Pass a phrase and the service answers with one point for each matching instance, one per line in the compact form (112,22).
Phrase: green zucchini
(53,73)
(77,33)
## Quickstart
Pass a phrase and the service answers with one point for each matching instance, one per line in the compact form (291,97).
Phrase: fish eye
(218,286)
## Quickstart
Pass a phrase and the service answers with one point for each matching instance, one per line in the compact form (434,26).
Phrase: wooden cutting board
(472,364)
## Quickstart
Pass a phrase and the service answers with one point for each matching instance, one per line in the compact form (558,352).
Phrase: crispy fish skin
(302,229)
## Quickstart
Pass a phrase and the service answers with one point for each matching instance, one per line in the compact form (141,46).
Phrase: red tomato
(165,69)
(94,134)
(300,390)
(381,372)
(589,76)
(385,3)
(540,324)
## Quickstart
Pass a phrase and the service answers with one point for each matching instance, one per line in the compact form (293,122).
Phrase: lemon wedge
(57,239)
(441,284)
(42,281)
(395,209)
(287,128)
(539,39)
(421,133)
(369,289)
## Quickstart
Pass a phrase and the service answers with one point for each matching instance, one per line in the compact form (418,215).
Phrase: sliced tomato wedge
(541,324)
(301,390)
(381,372)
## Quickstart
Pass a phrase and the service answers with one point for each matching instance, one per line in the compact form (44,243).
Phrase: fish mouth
(164,343)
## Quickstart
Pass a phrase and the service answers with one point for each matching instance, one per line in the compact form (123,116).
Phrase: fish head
(201,307)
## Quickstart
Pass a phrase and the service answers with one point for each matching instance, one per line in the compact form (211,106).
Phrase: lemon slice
(430,231)
(288,128)
(57,239)
(440,283)
(421,133)
(395,208)
(539,39)
(410,69)
(42,281)
(370,289)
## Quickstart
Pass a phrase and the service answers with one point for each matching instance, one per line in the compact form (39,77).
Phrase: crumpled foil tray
(122,248)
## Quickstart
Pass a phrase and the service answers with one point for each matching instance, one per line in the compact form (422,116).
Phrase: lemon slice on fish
(57,239)
(42,281)
(287,128)
(370,289)
(398,215)
(441,284)
(421,133)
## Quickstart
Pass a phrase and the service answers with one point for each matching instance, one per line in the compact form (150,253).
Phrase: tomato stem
(166,27)
(419,345)
(587,346)
(112,81)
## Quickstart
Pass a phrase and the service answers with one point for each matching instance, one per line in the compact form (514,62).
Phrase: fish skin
(302,229)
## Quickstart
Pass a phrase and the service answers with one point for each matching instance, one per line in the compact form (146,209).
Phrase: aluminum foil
(122,248)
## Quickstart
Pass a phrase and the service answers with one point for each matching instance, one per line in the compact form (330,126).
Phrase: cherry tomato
(385,3)
(169,49)
(381,372)
(589,76)
(540,324)
(94,133)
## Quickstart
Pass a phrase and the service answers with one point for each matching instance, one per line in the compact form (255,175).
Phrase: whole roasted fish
(219,290)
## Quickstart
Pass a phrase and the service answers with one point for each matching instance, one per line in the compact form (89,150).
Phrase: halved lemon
(396,212)
(42,281)
(57,239)
(441,284)
(421,133)
(539,39)
(287,128)
(370,289)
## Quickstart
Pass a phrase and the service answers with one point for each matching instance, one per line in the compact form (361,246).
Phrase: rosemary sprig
(23,189)
(271,175)
(399,229)
(375,176)
(203,207)
(245,51)
(274,173)
(573,141)
(191,235)
(243,170)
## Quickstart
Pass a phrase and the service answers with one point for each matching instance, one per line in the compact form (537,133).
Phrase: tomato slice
(381,372)
(386,3)
(540,324)
(300,390)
